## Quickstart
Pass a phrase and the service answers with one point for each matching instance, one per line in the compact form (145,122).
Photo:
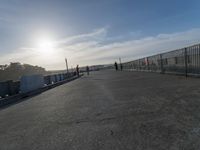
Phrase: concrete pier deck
(107,110)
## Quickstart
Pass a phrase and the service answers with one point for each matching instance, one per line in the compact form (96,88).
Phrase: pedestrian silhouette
(77,70)
(88,70)
(116,66)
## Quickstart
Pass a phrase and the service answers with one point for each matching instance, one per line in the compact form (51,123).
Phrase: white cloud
(96,35)
(90,48)
(133,49)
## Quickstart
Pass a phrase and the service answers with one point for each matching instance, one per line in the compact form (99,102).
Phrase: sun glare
(45,45)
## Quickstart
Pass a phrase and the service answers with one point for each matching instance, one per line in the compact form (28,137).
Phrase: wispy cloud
(96,35)
(94,48)
(132,49)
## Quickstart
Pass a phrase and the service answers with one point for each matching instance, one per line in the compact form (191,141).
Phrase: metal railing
(185,61)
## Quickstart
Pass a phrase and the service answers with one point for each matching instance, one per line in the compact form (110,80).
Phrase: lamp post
(66,65)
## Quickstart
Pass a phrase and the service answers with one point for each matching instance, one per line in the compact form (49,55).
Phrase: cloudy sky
(44,32)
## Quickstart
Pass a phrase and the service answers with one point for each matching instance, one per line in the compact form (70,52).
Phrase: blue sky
(94,31)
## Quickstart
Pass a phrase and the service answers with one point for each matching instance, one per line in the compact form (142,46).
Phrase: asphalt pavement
(107,110)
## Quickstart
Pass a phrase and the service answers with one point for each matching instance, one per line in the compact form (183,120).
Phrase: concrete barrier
(53,79)
(57,77)
(62,77)
(47,80)
(4,88)
(21,96)
(14,88)
(30,83)
(9,88)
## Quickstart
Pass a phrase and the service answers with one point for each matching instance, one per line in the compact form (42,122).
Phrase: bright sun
(45,45)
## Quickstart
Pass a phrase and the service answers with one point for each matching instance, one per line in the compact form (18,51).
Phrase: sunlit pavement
(107,110)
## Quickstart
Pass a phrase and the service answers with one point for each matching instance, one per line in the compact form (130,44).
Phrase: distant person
(77,70)
(116,66)
(88,70)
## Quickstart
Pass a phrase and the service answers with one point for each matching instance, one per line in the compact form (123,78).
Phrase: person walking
(88,70)
(116,66)
(77,70)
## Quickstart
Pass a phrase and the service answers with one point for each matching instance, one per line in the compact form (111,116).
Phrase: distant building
(3,67)
(16,65)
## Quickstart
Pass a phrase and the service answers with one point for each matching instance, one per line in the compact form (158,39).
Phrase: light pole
(66,65)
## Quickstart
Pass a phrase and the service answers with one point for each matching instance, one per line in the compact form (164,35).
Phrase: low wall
(15,98)
(9,88)
(30,83)
(47,80)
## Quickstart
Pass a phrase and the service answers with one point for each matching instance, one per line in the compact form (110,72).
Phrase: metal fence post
(186,61)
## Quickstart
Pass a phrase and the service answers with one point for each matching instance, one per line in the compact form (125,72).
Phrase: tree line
(14,71)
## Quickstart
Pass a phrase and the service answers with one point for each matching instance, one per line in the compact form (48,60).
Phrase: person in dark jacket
(77,70)
(116,66)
